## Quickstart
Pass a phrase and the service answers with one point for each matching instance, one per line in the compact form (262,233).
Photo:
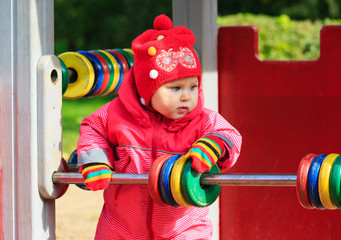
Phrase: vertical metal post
(27,33)
(201,17)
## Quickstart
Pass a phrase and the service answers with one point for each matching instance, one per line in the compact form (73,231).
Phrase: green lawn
(73,113)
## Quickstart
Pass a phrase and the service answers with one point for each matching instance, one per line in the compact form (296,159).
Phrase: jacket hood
(129,97)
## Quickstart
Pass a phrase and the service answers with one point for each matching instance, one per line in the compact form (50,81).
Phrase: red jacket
(129,138)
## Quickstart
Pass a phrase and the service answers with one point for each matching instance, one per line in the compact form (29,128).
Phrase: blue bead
(164,181)
(99,72)
(313,177)
(120,67)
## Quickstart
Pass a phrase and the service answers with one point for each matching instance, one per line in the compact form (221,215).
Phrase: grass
(72,115)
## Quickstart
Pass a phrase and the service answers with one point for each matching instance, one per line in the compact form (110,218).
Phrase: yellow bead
(160,37)
(323,181)
(116,73)
(85,74)
(175,182)
(151,51)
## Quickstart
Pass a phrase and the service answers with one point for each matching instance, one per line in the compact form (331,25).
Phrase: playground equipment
(94,73)
(171,181)
(255,105)
(283,109)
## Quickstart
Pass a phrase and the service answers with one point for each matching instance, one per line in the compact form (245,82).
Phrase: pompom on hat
(161,55)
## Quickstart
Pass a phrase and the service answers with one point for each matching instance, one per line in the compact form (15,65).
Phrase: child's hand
(205,152)
(96,176)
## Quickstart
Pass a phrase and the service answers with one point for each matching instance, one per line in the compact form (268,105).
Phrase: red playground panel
(284,110)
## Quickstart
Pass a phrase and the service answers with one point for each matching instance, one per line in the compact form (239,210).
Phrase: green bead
(111,69)
(127,56)
(196,193)
(334,183)
(65,76)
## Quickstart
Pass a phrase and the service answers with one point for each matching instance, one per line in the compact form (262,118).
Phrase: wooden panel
(284,110)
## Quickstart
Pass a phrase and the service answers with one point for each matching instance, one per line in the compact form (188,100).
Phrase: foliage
(281,38)
(296,9)
(98,24)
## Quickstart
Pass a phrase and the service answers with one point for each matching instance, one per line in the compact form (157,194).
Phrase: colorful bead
(335,183)
(164,181)
(116,72)
(84,71)
(127,56)
(153,179)
(106,73)
(99,74)
(121,69)
(130,51)
(301,183)
(65,76)
(124,62)
(323,181)
(196,193)
(111,70)
(175,182)
(313,174)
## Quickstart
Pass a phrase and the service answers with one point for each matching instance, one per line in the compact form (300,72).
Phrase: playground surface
(77,213)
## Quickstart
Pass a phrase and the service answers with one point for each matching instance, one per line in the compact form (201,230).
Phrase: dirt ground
(77,213)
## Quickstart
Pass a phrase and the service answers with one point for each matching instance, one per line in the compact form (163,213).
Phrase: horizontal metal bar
(117,178)
(259,179)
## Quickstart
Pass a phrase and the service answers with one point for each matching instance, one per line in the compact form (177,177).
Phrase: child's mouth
(182,110)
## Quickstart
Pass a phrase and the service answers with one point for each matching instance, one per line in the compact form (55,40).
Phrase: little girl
(159,111)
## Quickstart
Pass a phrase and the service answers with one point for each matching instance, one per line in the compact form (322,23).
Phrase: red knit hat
(163,54)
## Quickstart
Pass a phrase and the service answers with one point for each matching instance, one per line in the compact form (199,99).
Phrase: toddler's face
(176,98)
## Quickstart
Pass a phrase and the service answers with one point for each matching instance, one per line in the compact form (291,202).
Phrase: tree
(101,24)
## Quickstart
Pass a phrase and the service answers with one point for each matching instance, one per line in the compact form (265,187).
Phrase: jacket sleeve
(218,126)
(93,143)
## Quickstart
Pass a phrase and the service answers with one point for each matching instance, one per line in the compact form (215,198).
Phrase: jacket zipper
(150,208)
(156,134)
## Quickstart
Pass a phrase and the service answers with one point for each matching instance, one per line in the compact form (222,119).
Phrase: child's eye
(175,88)
(193,87)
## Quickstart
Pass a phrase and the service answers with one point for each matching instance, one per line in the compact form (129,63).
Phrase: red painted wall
(284,110)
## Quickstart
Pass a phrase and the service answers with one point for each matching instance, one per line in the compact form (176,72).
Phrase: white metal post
(201,17)
(27,33)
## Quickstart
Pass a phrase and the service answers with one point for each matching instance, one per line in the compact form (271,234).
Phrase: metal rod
(259,179)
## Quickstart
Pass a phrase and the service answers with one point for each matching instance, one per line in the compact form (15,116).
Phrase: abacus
(94,73)
(171,181)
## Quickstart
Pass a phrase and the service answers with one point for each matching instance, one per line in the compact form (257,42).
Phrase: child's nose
(185,96)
